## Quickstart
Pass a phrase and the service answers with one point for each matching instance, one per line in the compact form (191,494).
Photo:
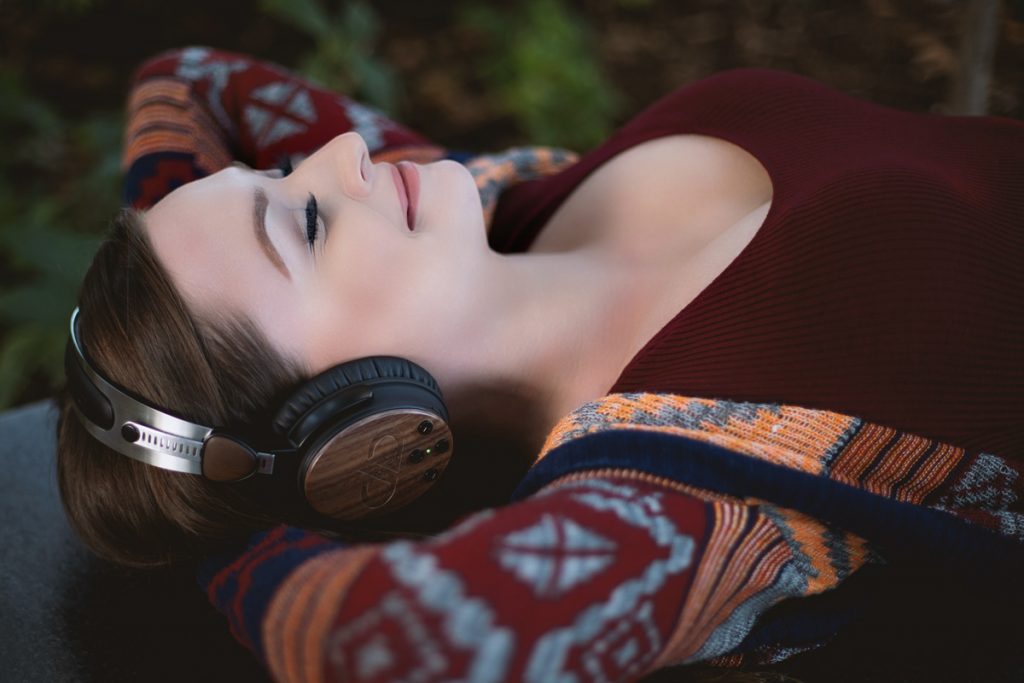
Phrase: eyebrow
(259,224)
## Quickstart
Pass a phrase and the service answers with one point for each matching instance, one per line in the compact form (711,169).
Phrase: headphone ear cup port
(378,464)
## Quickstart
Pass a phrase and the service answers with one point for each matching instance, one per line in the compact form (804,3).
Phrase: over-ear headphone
(360,439)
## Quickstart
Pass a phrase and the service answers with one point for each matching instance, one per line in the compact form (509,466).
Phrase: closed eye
(313,221)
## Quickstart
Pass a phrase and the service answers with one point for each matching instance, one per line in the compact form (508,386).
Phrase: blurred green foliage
(342,55)
(58,188)
(543,68)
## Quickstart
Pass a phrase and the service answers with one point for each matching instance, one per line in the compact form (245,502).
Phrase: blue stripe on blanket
(902,531)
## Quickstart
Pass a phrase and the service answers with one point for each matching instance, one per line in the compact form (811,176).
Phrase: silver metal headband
(144,433)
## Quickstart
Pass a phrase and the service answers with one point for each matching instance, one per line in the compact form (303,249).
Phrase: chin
(456,173)
(459,192)
(473,194)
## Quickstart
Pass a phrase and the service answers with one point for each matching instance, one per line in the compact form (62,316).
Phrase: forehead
(196,232)
(185,198)
(202,233)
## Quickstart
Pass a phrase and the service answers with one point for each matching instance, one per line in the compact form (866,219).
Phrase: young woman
(764,334)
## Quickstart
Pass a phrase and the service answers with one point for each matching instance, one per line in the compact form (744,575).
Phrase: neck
(545,333)
(539,335)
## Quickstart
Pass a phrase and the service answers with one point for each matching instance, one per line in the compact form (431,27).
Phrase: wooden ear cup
(378,464)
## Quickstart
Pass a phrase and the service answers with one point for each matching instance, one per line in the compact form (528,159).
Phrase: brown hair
(136,329)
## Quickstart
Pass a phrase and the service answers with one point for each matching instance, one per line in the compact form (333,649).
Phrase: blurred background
(471,75)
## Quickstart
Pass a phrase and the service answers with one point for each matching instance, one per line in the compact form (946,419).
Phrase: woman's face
(236,242)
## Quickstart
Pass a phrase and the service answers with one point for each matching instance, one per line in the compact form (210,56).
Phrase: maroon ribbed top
(886,281)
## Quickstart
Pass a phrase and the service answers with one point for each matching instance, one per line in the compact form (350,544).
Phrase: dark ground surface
(894,52)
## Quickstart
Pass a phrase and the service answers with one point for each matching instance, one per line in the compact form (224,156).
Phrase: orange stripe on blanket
(896,462)
(880,458)
(809,535)
(858,549)
(302,610)
(932,473)
(729,523)
(164,116)
(756,566)
(739,561)
(157,89)
(861,453)
(812,540)
(798,438)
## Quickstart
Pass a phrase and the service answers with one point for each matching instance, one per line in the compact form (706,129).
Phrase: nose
(347,159)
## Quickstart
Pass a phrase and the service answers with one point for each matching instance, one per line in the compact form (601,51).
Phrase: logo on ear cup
(367,467)
(379,476)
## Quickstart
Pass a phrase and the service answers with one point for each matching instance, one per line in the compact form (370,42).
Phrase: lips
(403,195)
(411,179)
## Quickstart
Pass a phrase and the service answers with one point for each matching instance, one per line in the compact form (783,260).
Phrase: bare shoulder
(675,192)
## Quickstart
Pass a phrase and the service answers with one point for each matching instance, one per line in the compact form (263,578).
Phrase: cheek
(376,278)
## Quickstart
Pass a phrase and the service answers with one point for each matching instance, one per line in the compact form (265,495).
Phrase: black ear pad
(346,386)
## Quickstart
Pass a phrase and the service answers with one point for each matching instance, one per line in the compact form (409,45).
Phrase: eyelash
(312,221)
(312,211)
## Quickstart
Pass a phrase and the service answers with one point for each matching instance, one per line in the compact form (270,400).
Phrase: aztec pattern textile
(653,530)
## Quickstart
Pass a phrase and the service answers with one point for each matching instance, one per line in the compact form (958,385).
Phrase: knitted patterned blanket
(653,530)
